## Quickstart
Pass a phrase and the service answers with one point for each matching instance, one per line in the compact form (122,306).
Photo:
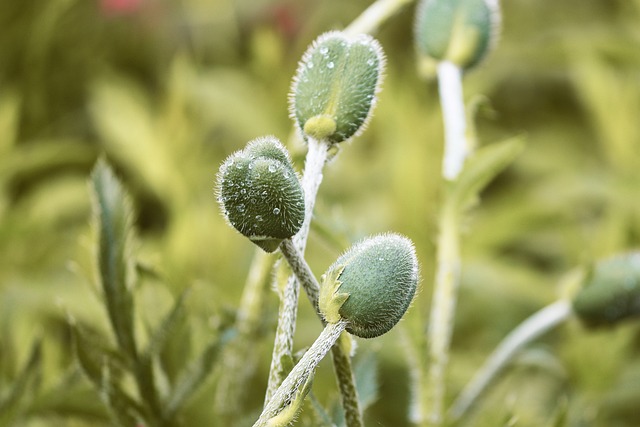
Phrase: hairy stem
(301,270)
(442,313)
(533,327)
(283,344)
(456,148)
(371,19)
(346,383)
(298,376)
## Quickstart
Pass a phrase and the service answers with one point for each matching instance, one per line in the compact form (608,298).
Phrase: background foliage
(167,89)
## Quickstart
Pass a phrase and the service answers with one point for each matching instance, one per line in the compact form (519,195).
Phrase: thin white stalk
(317,154)
(298,376)
(443,308)
(456,148)
(374,16)
(283,343)
(536,325)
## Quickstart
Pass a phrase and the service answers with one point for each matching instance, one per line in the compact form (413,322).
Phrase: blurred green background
(167,89)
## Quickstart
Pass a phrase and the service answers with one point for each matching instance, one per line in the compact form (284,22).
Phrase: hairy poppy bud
(334,90)
(260,194)
(371,285)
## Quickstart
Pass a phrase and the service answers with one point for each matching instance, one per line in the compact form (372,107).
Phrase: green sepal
(330,300)
(460,31)
(335,87)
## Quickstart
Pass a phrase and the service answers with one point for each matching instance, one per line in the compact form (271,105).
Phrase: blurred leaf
(127,126)
(167,328)
(196,374)
(103,367)
(12,404)
(366,375)
(113,215)
(9,118)
(481,168)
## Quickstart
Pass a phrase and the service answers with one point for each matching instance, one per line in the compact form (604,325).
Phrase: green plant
(140,319)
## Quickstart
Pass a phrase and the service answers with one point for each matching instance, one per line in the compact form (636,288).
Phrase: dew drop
(243,191)
(370,62)
(263,194)
(285,174)
(310,65)
(272,168)
(324,50)
(240,208)
(330,65)
(276,211)
(259,218)
(238,166)
(250,166)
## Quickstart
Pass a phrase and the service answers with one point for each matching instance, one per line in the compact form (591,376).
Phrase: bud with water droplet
(611,292)
(260,194)
(459,31)
(334,90)
(371,285)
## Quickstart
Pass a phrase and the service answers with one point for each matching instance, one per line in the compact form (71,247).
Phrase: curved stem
(302,271)
(283,344)
(533,327)
(456,148)
(375,15)
(299,375)
(443,308)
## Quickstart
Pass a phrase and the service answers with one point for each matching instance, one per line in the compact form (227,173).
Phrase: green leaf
(169,326)
(113,216)
(366,376)
(104,367)
(196,374)
(484,165)
(12,404)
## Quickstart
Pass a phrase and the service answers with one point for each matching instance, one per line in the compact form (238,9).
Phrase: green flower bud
(371,285)
(260,194)
(334,90)
(460,31)
(611,292)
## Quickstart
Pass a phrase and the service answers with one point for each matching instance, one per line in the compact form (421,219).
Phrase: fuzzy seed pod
(334,90)
(260,194)
(460,31)
(611,292)
(371,285)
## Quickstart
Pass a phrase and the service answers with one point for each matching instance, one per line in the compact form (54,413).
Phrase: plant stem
(533,327)
(375,15)
(240,358)
(346,382)
(442,313)
(285,394)
(283,344)
(456,148)
(447,279)
(340,354)
(302,271)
